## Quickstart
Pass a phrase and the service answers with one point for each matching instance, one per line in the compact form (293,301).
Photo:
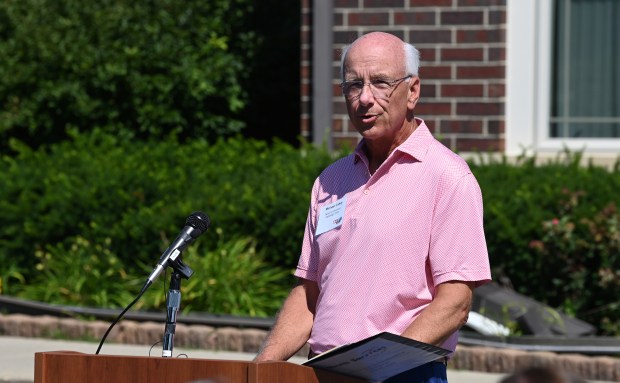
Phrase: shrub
(581,254)
(139,194)
(231,279)
(521,200)
(80,272)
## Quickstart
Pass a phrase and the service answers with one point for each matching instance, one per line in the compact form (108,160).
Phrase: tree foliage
(139,68)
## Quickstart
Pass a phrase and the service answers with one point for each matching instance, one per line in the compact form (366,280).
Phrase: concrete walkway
(17,357)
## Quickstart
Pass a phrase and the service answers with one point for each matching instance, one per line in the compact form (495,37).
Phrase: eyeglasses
(380,89)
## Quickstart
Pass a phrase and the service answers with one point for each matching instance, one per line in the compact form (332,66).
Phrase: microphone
(195,225)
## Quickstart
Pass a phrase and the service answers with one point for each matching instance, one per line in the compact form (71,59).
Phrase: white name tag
(331,216)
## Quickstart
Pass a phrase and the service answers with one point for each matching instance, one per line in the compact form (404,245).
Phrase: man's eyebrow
(373,77)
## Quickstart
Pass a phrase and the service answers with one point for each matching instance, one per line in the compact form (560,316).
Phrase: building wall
(463,61)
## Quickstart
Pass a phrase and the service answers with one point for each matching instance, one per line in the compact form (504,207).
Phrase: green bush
(582,254)
(139,194)
(135,68)
(81,272)
(232,279)
(563,267)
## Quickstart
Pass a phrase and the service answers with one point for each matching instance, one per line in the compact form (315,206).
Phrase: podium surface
(75,367)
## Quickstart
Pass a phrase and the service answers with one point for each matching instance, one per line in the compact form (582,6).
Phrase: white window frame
(529,50)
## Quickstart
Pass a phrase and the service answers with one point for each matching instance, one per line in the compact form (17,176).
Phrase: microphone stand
(172,308)
(173,303)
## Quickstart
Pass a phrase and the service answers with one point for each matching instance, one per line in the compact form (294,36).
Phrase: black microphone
(195,225)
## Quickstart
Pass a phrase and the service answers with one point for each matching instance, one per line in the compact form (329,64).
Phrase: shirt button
(366,191)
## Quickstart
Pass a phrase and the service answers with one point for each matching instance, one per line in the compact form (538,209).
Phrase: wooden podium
(75,367)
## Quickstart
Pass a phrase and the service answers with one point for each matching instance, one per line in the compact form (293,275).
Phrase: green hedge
(139,194)
(552,230)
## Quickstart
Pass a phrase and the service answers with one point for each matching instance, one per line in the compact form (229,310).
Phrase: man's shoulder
(444,160)
(342,164)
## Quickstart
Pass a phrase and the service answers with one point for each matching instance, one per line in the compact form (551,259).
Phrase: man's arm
(293,324)
(444,315)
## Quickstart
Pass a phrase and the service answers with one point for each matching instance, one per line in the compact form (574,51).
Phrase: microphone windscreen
(199,221)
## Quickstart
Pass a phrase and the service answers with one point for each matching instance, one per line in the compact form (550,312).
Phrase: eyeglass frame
(393,84)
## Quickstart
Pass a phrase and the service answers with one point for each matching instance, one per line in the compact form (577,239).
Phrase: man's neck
(378,151)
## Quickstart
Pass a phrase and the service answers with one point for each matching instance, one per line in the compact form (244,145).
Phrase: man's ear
(414,92)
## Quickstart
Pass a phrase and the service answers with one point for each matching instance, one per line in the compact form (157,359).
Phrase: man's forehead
(376,60)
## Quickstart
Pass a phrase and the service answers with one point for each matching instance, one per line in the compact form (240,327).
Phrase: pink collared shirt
(412,225)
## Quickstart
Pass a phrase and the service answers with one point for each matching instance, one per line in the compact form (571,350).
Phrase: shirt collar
(416,145)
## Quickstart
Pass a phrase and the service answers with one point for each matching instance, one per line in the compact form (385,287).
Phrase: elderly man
(394,239)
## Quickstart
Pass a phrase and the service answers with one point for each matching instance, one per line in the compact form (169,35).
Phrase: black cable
(153,345)
(118,318)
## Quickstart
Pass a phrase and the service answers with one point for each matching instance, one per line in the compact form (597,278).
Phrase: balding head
(400,51)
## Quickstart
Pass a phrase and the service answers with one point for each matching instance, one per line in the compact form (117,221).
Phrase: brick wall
(463,50)
(306,68)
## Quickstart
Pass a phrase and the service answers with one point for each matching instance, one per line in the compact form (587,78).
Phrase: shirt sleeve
(307,266)
(458,250)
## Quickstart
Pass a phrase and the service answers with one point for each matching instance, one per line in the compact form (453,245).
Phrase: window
(563,76)
(586,69)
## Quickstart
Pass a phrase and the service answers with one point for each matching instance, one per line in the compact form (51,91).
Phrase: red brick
(496,127)
(336,53)
(433,108)
(435,72)
(432,36)
(462,126)
(430,3)
(336,90)
(462,54)
(477,3)
(462,18)
(481,36)
(427,54)
(336,72)
(479,145)
(462,90)
(306,19)
(344,37)
(384,3)
(340,108)
(338,18)
(414,18)
(446,141)
(430,124)
(345,3)
(497,54)
(480,108)
(306,89)
(337,125)
(486,72)
(306,36)
(496,90)
(497,17)
(375,18)
(305,125)
(305,71)
(428,90)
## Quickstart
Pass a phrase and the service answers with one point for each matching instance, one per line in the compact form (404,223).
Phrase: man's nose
(366,97)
